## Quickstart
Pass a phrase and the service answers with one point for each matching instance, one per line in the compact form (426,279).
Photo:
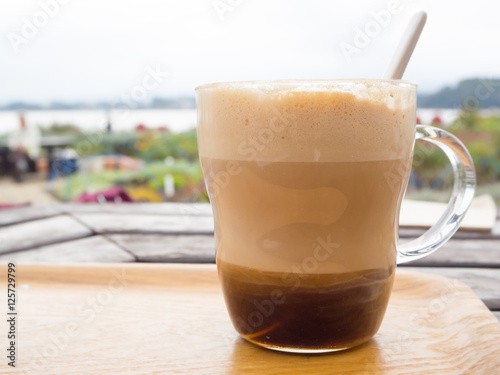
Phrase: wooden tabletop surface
(127,318)
(183,233)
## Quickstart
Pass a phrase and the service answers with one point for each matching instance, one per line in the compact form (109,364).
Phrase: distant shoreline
(480,93)
(155,103)
(90,109)
(94,109)
(176,120)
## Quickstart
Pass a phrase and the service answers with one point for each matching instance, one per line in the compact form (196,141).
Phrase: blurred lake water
(177,120)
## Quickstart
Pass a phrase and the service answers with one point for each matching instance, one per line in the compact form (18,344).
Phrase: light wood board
(171,319)
(170,208)
(485,282)
(22,214)
(172,248)
(140,223)
(201,249)
(41,232)
(89,249)
(481,214)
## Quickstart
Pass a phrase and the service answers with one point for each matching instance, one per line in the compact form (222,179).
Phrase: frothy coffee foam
(306,121)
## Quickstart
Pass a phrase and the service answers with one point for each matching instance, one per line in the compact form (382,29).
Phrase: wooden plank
(481,214)
(463,253)
(140,223)
(168,248)
(159,223)
(485,282)
(90,249)
(460,234)
(201,249)
(190,209)
(204,209)
(23,214)
(110,320)
(497,314)
(41,232)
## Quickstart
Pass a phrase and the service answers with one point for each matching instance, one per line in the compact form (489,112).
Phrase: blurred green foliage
(147,145)
(188,181)
(481,136)
(162,152)
(61,129)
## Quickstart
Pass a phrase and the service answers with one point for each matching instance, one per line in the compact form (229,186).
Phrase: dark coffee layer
(305,311)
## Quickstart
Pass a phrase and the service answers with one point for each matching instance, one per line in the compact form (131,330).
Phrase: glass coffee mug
(306,180)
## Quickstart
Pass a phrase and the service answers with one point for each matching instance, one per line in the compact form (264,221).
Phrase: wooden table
(183,233)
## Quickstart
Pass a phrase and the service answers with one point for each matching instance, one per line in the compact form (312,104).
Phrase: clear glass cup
(306,180)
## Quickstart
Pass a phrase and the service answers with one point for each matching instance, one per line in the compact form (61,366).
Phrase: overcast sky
(94,50)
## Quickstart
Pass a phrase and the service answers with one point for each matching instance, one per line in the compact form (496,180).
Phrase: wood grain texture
(23,214)
(497,314)
(140,223)
(171,319)
(191,209)
(90,249)
(463,253)
(201,248)
(460,234)
(185,211)
(481,214)
(485,282)
(41,232)
(168,248)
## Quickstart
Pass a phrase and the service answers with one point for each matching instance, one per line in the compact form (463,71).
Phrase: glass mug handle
(461,197)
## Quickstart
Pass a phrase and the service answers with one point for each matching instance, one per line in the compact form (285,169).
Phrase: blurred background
(97,101)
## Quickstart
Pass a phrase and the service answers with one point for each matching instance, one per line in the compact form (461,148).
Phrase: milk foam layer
(362,120)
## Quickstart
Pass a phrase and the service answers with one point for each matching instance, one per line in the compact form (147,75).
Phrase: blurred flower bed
(150,165)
